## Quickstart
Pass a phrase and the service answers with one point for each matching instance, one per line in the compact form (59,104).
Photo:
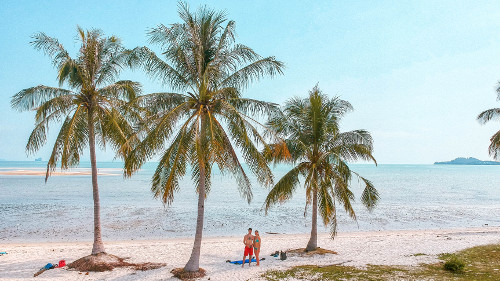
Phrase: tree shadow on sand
(106,262)
(303,253)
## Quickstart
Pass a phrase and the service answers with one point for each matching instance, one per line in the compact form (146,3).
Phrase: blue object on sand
(241,261)
(3,253)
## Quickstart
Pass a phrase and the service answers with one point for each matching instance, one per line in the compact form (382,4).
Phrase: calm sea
(412,197)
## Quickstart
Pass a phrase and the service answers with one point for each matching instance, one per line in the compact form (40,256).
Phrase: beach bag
(282,255)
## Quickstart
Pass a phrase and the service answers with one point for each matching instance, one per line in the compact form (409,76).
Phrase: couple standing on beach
(252,243)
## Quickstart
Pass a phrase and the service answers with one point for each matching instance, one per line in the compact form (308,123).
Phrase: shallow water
(412,197)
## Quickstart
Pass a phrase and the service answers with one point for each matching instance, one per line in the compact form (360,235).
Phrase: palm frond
(352,146)
(34,97)
(113,58)
(370,195)
(122,90)
(284,188)
(115,129)
(70,71)
(333,222)
(227,159)
(240,130)
(70,142)
(158,69)
(487,115)
(277,152)
(252,107)
(225,41)
(344,195)
(160,103)
(55,108)
(45,116)
(162,128)
(230,59)
(326,203)
(243,77)
(51,47)
(172,165)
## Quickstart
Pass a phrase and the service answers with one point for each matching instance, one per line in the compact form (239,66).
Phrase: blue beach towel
(241,261)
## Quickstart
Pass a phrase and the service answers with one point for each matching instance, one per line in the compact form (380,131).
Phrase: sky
(416,72)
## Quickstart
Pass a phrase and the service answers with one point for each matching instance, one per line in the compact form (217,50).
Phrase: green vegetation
(454,264)
(320,153)
(479,263)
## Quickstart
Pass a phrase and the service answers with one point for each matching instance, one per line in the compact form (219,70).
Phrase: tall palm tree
(94,106)
(483,118)
(202,124)
(320,152)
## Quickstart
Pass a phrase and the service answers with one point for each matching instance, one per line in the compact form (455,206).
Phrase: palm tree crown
(88,76)
(201,125)
(93,107)
(320,152)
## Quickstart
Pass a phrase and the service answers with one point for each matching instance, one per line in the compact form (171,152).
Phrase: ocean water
(412,197)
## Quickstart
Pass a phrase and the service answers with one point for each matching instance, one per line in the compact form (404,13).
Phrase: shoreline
(396,247)
(357,233)
(13,171)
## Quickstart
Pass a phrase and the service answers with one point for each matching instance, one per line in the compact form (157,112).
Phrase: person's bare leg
(243,262)
(257,257)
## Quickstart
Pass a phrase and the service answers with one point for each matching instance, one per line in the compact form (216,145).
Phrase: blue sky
(417,72)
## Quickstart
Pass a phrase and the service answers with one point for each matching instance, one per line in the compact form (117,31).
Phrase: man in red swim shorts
(248,241)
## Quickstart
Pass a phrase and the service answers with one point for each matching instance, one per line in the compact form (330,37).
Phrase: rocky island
(467,161)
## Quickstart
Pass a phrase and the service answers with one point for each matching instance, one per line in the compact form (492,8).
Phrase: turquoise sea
(412,197)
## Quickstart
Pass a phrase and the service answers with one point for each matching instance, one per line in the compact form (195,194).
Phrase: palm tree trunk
(98,245)
(313,241)
(193,264)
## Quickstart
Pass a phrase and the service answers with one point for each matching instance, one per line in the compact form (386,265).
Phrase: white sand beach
(354,248)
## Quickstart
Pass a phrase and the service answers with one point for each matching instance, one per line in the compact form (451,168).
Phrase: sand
(354,248)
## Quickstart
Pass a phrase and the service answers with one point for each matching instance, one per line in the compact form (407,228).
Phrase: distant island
(467,161)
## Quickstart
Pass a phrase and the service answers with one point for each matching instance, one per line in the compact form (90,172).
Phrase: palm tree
(93,107)
(486,116)
(202,125)
(319,152)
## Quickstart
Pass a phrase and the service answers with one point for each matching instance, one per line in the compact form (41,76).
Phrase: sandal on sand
(50,266)
(43,269)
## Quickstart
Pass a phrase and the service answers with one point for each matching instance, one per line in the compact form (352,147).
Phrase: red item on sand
(62,263)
